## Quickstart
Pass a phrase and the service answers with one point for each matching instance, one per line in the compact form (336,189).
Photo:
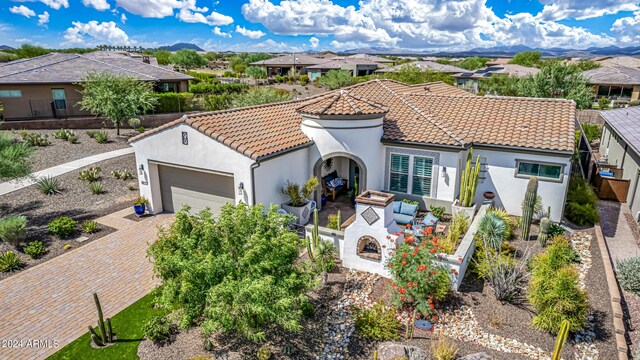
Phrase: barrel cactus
(528,207)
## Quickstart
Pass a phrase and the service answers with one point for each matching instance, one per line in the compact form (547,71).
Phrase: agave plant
(49,185)
(492,230)
(297,194)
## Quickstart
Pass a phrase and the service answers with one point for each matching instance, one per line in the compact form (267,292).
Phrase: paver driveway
(53,301)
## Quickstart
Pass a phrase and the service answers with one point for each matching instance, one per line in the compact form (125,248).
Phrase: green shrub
(91,133)
(555,229)
(219,101)
(134,123)
(591,131)
(306,307)
(173,102)
(36,139)
(13,229)
(217,88)
(49,185)
(304,79)
(278,79)
(457,228)
(377,323)
(582,214)
(35,249)
(332,222)
(412,202)
(9,261)
(91,174)
(628,271)
(65,134)
(158,329)
(72,138)
(96,187)
(101,137)
(89,226)
(437,211)
(556,297)
(603,103)
(140,129)
(122,174)
(62,226)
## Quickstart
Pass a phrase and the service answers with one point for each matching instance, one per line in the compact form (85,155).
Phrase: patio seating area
(343,204)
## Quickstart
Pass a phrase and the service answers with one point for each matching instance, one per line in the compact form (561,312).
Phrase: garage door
(198,189)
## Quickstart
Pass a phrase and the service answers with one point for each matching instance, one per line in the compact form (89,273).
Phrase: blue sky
(298,25)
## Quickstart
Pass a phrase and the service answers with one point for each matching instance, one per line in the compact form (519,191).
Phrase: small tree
(335,79)
(527,58)
(30,51)
(603,103)
(411,74)
(239,68)
(259,96)
(256,72)
(189,59)
(163,57)
(116,97)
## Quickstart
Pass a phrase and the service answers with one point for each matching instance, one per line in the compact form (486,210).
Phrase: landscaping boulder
(476,356)
(391,351)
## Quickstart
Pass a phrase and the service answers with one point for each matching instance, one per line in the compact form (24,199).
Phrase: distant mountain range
(506,51)
(6,47)
(181,46)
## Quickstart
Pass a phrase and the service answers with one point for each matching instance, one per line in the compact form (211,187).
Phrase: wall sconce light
(444,171)
(141,169)
(241,188)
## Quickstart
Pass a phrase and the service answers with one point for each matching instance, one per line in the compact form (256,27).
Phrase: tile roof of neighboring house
(626,61)
(498,61)
(613,75)
(342,103)
(72,68)
(368,57)
(509,69)
(342,63)
(427,65)
(287,60)
(626,122)
(432,114)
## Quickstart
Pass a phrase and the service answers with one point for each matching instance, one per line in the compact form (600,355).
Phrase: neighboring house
(357,67)
(617,83)
(626,61)
(47,86)
(425,65)
(470,79)
(281,65)
(409,140)
(367,57)
(620,145)
(498,61)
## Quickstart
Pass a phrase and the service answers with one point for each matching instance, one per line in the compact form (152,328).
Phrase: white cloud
(97,4)
(54,4)
(99,33)
(188,11)
(555,10)
(253,34)
(216,31)
(314,41)
(271,45)
(123,18)
(22,10)
(628,29)
(43,19)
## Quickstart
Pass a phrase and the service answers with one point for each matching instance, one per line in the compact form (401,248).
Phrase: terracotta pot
(489,195)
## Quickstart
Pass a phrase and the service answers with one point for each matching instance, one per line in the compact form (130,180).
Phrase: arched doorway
(346,166)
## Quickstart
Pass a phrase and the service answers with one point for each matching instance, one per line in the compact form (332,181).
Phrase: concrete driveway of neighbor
(52,302)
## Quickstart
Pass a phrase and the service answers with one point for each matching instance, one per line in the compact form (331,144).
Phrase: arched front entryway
(344,165)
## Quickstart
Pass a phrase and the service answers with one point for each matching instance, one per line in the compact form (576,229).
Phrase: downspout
(254,166)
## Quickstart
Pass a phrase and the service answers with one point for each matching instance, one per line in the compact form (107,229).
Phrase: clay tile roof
(432,114)
(342,103)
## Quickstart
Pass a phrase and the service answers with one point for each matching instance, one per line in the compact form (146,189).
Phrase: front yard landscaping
(75,200)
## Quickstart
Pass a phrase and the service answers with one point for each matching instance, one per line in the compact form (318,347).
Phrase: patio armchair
(332,185)
(404,213)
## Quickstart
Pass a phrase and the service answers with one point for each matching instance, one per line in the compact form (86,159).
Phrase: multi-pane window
(59,99)
(410,174)
(548,171)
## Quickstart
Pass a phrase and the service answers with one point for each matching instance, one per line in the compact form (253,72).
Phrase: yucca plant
(325,256)
(96,187)
(469,182)
(89,226)
(492,230)
(9,261)
(49,185)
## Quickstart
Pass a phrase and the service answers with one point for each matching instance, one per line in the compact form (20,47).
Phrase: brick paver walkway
(620,237)
(53,301)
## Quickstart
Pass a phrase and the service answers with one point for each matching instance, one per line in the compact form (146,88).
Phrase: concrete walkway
(14,185)
(53,301)
(616,222)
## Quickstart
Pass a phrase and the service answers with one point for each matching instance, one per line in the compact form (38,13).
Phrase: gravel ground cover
(61,151)
(631,306)
(76,201)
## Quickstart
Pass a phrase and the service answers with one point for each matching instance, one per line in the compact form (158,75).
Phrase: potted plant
(468,185)
(299,204)
(139,205)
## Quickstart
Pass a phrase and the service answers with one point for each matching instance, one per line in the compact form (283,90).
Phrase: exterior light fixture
(141,169)
(241,188)
(444,171)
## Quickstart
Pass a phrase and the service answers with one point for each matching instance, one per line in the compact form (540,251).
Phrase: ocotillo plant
(562,337)
(106,332)
(313,241)
(528,206)
(469,181)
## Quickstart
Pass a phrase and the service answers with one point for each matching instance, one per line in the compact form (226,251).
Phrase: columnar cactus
(562,338)
(314,240)
(106,332)
(469,181)
(528,207)
(544,231)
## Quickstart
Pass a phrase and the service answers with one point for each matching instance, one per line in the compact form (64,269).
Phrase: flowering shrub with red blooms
(419,280)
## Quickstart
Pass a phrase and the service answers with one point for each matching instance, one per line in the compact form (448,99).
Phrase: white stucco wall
(620,154)
(201,152)
(510,190)
(274,173)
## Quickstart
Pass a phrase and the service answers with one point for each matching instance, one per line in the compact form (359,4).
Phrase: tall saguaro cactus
(104,327)
(314,240)
(528,206)
(469,182)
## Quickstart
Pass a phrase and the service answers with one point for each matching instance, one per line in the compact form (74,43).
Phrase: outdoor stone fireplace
(369,248)
(371,236)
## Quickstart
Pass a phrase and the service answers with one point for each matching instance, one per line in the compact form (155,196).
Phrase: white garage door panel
(196,188)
